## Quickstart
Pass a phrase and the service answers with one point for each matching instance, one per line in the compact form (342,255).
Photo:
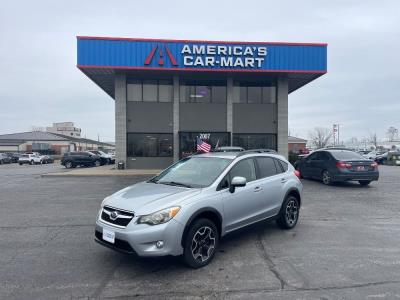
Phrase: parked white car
(106,157)
(30,159)
(371,155)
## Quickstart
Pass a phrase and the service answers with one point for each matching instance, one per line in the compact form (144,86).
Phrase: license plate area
(109,236)
(360,168)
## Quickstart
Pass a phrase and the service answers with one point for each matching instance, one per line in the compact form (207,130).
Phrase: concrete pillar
(120,118)
(282,114)
(175,127)
(229,107)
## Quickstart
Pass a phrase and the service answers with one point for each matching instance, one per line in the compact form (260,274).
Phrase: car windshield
(347,155)
(193,172)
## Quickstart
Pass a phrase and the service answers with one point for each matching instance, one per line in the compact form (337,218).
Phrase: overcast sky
(40,84)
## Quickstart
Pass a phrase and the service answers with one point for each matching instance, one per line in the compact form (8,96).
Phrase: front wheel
(69,165)
(364,182)
(201,243)
(289,214)
(31,162)
(97,163)
(326,178)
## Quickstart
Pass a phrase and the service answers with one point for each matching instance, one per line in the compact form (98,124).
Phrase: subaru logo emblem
(114,215)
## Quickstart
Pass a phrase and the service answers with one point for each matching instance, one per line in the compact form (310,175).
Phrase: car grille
(117,217)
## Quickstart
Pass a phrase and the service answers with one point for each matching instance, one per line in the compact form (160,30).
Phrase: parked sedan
(14,157)
(4,159)
(335,165)
(47,159)
(381,159)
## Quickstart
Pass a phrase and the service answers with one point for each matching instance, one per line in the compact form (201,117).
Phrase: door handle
(283,180)
(257,189)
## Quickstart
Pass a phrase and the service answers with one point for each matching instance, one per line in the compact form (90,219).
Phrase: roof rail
(255,151)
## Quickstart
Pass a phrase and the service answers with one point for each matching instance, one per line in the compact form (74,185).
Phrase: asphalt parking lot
(346,245)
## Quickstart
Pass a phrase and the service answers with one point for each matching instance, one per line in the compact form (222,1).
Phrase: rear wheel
(69,165)
(97,163)
(31,162)
(326,178)
(201,243)
(289,214)
(364,182)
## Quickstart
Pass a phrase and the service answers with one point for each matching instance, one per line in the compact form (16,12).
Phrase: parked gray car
(187,208)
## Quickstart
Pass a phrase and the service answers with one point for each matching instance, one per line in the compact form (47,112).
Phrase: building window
(150,145)
(254,92)
(150,93)
(255,140)
(203,92)
(150,90)
(188,141)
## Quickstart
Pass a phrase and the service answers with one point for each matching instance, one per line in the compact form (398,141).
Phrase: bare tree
(392,133)
(320,137)
(373,139)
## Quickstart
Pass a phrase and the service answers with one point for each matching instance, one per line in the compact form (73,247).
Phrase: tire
(97,163)
(289,214)
(31,162)
(364,182)
(326,178)
(69,165)
(108,161)
(20,164)
(201,243)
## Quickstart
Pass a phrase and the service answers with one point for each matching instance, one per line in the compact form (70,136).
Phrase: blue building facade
(169,92)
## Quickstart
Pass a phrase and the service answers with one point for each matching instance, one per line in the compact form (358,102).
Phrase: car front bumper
(141,239)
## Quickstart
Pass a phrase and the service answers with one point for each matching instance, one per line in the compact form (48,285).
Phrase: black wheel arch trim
(195,215)
(293,189)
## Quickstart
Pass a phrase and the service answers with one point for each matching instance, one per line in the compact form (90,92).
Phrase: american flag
(203,146)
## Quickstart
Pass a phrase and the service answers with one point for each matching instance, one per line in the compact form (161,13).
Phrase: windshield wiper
(174,183)
(153,180)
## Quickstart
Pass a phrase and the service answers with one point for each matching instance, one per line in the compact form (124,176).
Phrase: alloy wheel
(203,244)
(326,178)
(292,212)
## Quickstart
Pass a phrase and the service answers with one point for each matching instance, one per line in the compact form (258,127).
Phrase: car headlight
(159,217)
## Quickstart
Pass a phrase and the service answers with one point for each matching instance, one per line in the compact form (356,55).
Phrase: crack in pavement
(270,263)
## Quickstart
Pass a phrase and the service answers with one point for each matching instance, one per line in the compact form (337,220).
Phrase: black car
(13,156)
(47,159)
(74,159)
(338,165)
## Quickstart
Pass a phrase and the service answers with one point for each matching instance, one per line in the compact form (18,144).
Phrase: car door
(309,168)
(272,182)
(243,206)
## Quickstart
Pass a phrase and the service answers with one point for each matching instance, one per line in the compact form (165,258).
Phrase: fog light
(160,244)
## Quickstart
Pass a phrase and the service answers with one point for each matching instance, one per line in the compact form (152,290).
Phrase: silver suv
(187,208)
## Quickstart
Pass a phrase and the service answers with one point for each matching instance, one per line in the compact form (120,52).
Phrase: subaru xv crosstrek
(188,207)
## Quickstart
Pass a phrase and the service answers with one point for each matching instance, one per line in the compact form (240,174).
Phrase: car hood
(144,198)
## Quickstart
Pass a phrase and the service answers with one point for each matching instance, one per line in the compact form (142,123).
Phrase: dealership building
(169,92)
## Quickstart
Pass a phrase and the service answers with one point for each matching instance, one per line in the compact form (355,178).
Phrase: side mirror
(237,181)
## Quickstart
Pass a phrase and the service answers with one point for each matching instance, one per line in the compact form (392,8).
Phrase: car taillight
(343,165)
(374,165)
(297,173)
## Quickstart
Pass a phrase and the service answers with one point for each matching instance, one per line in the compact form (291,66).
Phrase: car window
(224,184)
(266,166)
(344,154)
(283,164)
(279,167)
(244,168)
